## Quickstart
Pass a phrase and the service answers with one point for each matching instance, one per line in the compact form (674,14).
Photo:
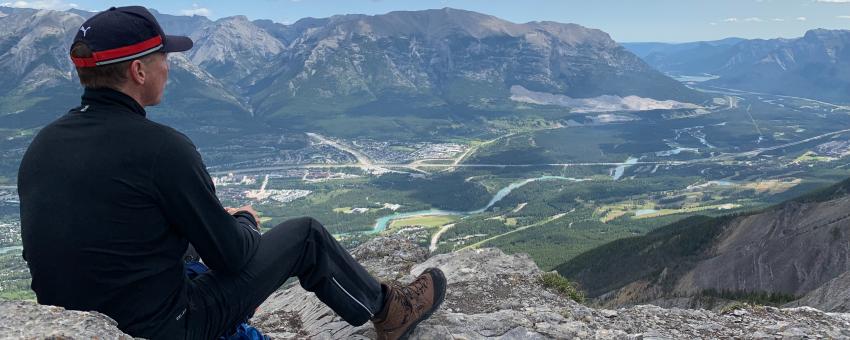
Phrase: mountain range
(816,65)
(444,62)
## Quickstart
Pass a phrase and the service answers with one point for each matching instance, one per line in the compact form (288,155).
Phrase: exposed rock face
(28,320)
(233,48)
(491,295)
(790,250)
(833,296)
(34,50)
(435,57)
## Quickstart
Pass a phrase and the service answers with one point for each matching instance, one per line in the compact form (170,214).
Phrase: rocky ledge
(28,320)
(490,295)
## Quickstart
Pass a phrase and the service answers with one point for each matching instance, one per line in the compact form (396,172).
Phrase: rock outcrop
(833,296)
(491,295)
(494,295)
(28,320)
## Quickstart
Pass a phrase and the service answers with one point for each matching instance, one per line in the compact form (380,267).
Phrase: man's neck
(136,94)
(111,96)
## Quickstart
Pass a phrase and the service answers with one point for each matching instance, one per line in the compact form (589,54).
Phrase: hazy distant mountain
(816,65)
(645,49)
(393,64)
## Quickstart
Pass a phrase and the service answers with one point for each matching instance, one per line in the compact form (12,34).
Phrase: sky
(624,20)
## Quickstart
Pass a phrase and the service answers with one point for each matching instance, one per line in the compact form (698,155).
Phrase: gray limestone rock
(833,296)
(491,295)
(495,295)
(29,320)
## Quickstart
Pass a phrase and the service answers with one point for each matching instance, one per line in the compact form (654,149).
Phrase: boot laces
(402,296)
(419,285)
(408,294)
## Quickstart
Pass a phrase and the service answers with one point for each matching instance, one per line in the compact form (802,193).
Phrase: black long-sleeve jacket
(109,202)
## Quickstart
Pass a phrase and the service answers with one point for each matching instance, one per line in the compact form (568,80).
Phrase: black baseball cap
(125,33)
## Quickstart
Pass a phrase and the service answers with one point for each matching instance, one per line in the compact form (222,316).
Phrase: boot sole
(440,288)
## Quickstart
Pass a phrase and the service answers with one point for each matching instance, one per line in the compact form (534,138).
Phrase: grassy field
(431,221)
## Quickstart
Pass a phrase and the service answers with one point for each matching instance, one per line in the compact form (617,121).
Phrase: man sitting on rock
(110,201)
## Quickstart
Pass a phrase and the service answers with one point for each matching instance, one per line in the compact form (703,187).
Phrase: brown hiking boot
(407,306)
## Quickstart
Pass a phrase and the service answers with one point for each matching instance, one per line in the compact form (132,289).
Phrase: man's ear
(137,72)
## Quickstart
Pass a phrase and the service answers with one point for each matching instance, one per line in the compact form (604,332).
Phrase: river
(382,223)
(619,170)
(4,250)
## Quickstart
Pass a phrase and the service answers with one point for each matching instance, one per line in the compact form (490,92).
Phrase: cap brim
(177,43)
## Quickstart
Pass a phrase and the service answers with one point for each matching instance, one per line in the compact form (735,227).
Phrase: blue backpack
(242,332)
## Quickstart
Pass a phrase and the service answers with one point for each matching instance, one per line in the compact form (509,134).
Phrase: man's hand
(247,208)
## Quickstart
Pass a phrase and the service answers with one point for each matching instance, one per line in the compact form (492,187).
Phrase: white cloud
(196,10)
(750,19)
(801,19)
(41,4)
(844,16)
(712,23)
(778,19)
(834,1)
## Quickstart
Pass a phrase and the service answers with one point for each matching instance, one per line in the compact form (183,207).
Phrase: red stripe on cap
(116,53)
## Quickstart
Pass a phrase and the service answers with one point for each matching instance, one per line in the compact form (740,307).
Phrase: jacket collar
(111,97)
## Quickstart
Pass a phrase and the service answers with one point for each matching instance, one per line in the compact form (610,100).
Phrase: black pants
(299,247)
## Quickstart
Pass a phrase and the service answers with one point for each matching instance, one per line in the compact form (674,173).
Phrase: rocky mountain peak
(490,295)
(830,46)
(232,38)
(27,61)
(574,34)
(825,34)
(436,24)
(235,18)
(230,48)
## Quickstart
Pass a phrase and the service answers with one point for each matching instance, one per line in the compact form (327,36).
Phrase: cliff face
(491,295)
(833,296)
(790,249)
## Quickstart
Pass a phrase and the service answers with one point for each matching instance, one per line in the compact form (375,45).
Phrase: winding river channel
(382,223)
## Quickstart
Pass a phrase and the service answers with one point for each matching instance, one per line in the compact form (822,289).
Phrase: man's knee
(305,226)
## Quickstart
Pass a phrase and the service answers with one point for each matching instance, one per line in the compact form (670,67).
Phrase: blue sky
(625,20)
